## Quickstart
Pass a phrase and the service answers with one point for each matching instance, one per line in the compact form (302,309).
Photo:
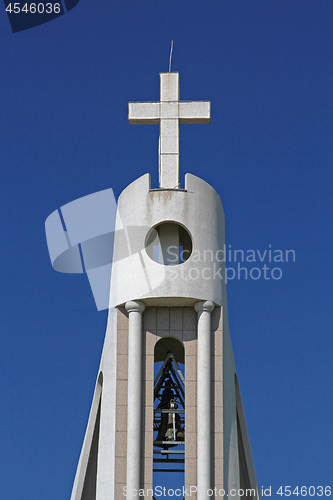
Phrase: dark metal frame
(170,369)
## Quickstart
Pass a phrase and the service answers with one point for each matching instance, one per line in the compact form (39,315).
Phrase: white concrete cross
(169,112)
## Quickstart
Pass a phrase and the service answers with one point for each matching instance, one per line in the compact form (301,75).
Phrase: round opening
(169,244)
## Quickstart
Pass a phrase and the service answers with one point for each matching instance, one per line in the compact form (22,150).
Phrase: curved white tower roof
(197,209)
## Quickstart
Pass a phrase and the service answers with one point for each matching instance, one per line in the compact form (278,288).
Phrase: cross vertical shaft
(169,131)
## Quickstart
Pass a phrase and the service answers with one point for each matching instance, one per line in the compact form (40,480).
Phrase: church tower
(168,310)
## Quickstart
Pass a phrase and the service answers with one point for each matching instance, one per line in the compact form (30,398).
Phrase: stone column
(135,310)
(204,309)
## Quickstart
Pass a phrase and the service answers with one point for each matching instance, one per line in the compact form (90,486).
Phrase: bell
(170,428)
(174,430)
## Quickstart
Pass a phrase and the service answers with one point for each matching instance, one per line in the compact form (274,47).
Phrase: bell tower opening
(169,414)
(169,243)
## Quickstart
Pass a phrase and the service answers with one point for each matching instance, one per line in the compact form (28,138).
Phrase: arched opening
(169,414)
(244,477)
(89,485)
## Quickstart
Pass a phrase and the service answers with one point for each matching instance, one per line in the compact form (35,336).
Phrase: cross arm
(143,112)
(194,112)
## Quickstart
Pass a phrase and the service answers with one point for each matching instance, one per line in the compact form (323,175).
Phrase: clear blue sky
(267,67)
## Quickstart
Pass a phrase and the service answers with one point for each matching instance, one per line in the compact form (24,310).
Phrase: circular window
(169,244)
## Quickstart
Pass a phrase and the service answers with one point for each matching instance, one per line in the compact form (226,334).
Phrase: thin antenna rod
(170,56)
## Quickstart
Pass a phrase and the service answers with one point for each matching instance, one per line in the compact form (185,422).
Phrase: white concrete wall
(136,275)
(106,450)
